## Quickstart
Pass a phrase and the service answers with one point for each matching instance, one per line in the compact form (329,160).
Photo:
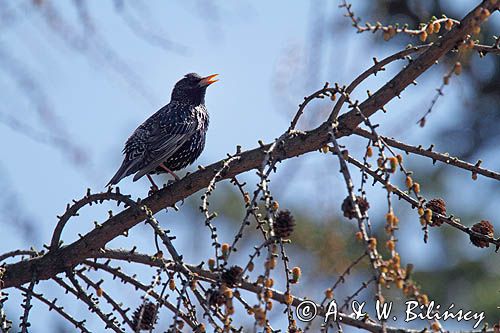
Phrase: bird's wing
(164,137)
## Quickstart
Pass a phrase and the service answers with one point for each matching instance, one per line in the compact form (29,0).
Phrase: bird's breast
(202,118)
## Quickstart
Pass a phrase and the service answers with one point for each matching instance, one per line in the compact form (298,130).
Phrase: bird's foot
(170,171)
(152,190)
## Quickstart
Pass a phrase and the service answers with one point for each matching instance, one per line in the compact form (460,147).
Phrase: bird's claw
(152,190)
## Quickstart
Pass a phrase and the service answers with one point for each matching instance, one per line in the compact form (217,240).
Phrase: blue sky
(266,59)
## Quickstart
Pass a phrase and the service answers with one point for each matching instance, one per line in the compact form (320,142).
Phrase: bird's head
(192,87)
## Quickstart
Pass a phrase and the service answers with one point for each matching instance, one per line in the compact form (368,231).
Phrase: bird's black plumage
(174,135)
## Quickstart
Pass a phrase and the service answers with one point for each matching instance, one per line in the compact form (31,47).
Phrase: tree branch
(295,144)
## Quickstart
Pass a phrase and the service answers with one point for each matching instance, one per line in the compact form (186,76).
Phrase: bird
(173,137)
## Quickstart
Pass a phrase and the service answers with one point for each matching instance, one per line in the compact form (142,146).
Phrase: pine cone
(438,206)
(216,297)
(284,224)
(232,276)
(148,319)
(484,227)
(349,210)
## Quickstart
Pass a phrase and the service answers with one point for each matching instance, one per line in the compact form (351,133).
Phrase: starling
(173,137)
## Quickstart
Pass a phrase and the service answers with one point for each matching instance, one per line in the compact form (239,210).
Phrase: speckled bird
(173,137)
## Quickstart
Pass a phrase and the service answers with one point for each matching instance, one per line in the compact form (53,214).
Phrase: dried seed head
(436,27)
(144,317)
(423,299)
(485,13)
(216,297)
(390,245)
(171,284)
(228,293)
(260,316)
(201,328)
(350,211)
(359,235)
(409,182)
(99,292)
(193,284)
(428,215)
(423,221)
(369,151)
(396,259)
(438,206)
(225,248)
(496,327)
(390,217)
(423,36)
(381,280)
(329,293)
(372,243)
(296,273)
(246,197)
(394,164)
(416,188)
(448,25)
(429,29)
(268,294)
(435,326)
(284,224)
(232,276)
(400,283)
(211,264)
(485,228)
(458,68)
(421,211)
(271,263)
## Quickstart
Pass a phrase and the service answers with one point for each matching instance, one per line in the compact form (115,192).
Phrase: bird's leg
(169,171)
(154,187)
(173,174)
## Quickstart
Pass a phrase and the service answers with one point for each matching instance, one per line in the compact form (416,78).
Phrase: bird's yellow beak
(206,81)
